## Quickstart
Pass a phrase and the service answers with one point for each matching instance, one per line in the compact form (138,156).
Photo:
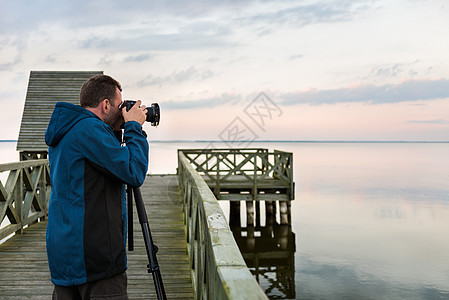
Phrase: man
(87,210)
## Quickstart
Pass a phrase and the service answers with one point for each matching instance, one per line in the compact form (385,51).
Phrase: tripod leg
(153,266)
(129,192)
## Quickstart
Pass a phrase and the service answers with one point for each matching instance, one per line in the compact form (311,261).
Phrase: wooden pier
(24,270)
(198,255)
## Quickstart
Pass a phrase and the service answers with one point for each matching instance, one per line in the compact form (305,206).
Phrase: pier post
(257,213)
(234,214)
(250,213)
(269,212)
(283,205)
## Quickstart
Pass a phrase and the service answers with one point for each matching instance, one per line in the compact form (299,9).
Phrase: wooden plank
(9,229)
(24,270)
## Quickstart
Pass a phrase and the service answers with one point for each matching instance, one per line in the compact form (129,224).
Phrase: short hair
(98,88)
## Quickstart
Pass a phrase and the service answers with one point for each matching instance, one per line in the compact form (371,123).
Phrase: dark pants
(109,288)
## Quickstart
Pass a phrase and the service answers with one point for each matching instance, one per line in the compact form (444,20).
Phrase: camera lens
(153,114)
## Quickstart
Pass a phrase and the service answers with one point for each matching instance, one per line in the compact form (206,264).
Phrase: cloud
(6,96)
(224,98)
(105,60)
(138,58)
(148,26)
(435,121)
(305,14)
(11,52)
(142,40)
(96,42)
(207,74)
(400,70)
(185,74)
(411,90)
(175,76)
(50,58)
(295,57)
(22,16)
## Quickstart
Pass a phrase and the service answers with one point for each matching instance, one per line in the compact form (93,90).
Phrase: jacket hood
(64,117)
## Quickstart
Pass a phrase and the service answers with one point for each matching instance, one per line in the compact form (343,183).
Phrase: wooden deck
(24,270)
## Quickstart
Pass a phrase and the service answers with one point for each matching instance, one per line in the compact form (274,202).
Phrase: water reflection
(269,253)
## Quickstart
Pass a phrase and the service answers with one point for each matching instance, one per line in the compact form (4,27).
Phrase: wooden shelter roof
(45,88)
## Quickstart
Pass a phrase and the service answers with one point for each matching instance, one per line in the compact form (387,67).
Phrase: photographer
(89,168)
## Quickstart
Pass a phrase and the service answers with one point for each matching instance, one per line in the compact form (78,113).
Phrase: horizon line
(296,141)
(279,141)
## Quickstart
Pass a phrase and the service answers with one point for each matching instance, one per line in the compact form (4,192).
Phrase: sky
(245,70)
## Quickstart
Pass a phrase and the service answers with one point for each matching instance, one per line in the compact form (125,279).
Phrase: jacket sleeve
(97,143)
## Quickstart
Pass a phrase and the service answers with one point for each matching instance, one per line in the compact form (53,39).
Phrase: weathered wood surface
(165,216)
(45,88)
(24,270)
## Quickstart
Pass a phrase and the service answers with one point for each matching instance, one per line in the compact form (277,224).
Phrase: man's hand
(136,113)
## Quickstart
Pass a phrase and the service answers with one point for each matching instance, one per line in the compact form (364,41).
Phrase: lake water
(370,220)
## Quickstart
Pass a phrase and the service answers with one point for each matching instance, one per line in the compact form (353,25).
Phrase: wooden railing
(218,268)
(220,167)
(24,196)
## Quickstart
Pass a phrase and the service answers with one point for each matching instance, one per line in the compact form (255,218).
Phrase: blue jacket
(86,229)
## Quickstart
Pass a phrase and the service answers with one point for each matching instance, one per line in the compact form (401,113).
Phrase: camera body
(153,111)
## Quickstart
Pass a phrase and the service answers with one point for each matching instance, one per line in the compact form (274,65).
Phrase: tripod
(151,248)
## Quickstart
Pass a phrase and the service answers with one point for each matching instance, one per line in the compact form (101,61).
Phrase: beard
(112,118)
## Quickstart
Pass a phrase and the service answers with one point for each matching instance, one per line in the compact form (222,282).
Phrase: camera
(153,111)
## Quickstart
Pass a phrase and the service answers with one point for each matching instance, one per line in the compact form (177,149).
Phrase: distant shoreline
(286,141)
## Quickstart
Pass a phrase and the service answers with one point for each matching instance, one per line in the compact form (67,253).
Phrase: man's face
(115,114)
